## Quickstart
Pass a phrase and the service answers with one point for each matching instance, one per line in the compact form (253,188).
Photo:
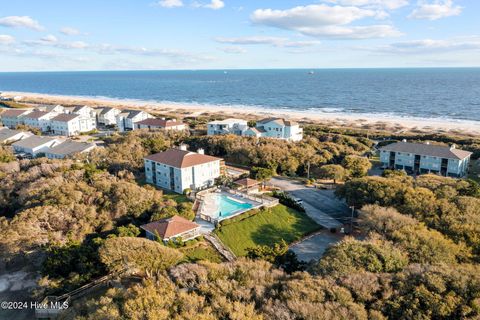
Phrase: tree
(262,174)
(6,156)
(332,171)
(129,230)
(357,166)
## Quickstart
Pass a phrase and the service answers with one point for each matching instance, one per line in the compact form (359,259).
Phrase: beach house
(68,148)
(420,158)
(174,228)
(13,117)
(39,119)
(34,145)
(227,126)
(180,169)
(8,135)
(276,128)
(107,116)
(66,124)
(127,119)
(155,124)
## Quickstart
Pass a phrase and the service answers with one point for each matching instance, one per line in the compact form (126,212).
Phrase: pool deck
(209,206)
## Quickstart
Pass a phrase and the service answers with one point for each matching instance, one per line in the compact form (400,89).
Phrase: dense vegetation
(78,219)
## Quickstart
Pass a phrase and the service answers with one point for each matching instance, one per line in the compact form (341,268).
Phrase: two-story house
(39,119)
(420,158)
(66,124)
(227,126)
(164,124)
(127,119)
(277,128)
(180,169)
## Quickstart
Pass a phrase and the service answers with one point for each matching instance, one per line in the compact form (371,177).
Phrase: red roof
(170,227)
(181,158)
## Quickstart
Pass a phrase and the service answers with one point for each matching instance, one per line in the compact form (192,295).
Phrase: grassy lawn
(266,228)
(179,198)
(201,250)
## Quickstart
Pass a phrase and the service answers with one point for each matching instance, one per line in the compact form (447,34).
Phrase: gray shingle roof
(70,147)
(33,141)
(65,117)
(6,134)
(427,150)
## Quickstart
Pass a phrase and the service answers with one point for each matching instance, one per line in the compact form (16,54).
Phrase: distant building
(180,169)
(108,116)
(154,123)
(173,228)
(39,119)
(13,117)
(127,119)
(227,126)
(8,135)
(276,128)
(420,158)
(88,118)
(35,145)
(65,124)
(52,108)
(67,149)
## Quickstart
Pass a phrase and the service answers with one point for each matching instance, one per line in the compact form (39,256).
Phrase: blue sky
(221,34)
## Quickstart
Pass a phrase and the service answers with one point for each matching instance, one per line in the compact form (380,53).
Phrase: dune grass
(266,227)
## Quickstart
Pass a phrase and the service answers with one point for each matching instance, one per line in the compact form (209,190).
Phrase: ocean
(445,93)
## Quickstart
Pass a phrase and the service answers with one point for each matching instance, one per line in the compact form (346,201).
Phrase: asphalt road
(321,205)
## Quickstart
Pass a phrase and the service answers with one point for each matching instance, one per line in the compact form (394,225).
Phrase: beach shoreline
(366,121)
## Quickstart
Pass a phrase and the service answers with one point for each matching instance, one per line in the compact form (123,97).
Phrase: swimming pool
(225,206)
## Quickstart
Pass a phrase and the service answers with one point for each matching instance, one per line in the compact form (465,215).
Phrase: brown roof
(65,117)
(13,112)
(160,123)
(170,227)
(427,150)
(36,114)
(181,158)
(247,182)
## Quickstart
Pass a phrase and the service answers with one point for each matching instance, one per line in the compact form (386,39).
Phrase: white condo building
(127,119)
(108,116)
(276,128)
(11,118)
(180,169)
(227,126)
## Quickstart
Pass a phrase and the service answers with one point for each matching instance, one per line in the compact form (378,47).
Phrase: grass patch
(179,198)
(201,250)
(266,227)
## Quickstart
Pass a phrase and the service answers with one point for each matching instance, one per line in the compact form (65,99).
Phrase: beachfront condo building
(11,118)
(227,126)
(180,169)
(127,119)
(421,158)
(108,116)
(276,128)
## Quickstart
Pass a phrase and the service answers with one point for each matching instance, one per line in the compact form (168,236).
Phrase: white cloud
(215,5)
(432,46)
(233,50)
(170,3)
(5,39)
(49,39)
(274,41)
(69,31)
(386,4)
(435,10)
(20,21)
(324,21)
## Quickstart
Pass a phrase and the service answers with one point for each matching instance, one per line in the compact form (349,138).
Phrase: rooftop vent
(404,140)
(428,142)
(200,151)
(453,146)
(183,147)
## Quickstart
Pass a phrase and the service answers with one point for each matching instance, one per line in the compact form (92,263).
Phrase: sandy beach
(366,121)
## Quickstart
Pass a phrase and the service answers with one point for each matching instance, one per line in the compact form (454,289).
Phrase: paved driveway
(321,205)
(314,247)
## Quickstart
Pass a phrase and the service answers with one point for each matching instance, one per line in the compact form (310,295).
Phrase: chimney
(453,146)
(183,147)
(200,151)
(404,140)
